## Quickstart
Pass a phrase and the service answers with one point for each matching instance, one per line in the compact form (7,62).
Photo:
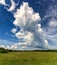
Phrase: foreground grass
(28,58)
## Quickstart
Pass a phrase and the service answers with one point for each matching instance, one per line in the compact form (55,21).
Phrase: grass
(28,58)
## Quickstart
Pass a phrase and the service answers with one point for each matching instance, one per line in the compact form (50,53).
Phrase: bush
(2,50)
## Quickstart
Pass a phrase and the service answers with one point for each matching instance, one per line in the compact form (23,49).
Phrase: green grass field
(28,58)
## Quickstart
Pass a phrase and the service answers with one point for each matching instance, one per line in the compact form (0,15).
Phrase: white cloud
(14,30)
(2,2)
(2,46)
(28,21)
(39,28)
(25,14)
(13,5)
(31,34)
(26,36)
(46,43)
(7,44)
(13,47)
(53,23)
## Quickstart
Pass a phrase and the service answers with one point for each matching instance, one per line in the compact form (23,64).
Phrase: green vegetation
(28,58)
(3,50)
(36,57)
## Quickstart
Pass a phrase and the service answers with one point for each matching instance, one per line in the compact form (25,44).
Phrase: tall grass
(28,58)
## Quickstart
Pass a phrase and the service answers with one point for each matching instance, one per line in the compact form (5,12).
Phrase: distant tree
(2,50)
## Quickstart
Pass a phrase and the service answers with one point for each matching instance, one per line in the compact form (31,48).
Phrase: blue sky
(14,29)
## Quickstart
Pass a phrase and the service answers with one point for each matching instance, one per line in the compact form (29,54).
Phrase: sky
(28,24)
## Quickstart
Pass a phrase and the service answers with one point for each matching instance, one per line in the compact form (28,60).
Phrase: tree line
(3,50)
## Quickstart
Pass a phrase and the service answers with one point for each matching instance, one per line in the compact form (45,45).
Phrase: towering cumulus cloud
(30,31)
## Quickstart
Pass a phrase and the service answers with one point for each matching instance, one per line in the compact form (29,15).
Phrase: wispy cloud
(51,31)
(13,5)
(11,8)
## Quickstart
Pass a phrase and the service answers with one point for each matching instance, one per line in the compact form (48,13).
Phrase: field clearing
(28,58)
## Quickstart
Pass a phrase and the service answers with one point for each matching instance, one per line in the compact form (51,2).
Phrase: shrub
(2,50)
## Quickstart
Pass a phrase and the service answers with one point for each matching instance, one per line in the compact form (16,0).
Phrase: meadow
(28,58)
